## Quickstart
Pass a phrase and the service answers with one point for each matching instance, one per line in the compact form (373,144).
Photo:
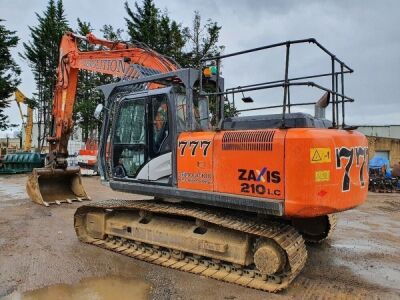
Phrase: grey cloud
(364,34)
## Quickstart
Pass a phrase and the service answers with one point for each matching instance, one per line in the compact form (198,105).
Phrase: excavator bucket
(48,186)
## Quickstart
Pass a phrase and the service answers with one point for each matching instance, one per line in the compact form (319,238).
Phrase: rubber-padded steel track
(316,230)
(284,235)
(332,220)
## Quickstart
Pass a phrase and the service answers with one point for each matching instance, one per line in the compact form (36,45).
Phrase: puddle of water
(366,246)
(13,189)
(378,273)
(89,289)
(356,224)
(11,194)
(381,225)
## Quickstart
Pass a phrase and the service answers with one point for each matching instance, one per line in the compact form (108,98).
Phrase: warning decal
(320,155)
(323,175)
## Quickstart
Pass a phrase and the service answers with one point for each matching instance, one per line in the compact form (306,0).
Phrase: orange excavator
(235,198)
(56,183)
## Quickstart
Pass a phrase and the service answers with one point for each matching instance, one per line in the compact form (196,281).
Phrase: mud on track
(38,248)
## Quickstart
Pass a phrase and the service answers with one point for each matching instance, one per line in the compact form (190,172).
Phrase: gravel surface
(38,248)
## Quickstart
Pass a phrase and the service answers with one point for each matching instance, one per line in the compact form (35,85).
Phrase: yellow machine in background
(21,98)
(25,161)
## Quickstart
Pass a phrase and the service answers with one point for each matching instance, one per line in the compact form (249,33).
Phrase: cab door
(142,139)
(160,138)
(130,139)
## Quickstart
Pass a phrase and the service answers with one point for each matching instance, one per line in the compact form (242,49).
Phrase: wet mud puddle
(89,289)
(11,194)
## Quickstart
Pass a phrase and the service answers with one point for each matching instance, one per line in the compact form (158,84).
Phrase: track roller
(269,257)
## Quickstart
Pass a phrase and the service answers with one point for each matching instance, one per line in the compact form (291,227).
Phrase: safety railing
(336,89)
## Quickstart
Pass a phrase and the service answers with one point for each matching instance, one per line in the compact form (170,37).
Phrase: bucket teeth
(47,186)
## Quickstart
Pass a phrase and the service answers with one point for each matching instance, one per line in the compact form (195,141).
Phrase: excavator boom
(20,98)
(119,59)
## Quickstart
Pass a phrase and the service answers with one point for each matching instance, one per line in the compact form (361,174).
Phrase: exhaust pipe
(47,186)
(322,103)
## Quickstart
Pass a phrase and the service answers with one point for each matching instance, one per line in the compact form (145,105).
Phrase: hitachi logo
(113,65)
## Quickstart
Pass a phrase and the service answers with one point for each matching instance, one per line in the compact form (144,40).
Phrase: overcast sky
(364,34)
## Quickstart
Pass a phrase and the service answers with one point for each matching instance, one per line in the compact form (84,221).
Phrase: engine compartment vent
(254,140)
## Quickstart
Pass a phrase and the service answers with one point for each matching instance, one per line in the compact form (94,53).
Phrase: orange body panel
(317,184)
(250,163)
(315,171)
(195,161)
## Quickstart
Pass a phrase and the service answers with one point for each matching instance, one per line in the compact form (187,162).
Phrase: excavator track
(332,220)
(283,236)
(316,230)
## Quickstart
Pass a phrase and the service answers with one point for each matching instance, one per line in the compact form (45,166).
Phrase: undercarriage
(220,244)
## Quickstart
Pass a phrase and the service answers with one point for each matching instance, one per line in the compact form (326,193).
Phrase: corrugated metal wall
(389,131)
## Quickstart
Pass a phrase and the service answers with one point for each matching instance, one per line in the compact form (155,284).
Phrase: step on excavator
(235,198)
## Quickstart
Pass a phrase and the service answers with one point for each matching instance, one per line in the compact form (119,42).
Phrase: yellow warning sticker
(324,175)
(320,155)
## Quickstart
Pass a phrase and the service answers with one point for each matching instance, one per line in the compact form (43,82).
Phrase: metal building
(383,141)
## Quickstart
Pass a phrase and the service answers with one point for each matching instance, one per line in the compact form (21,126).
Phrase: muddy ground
(38,248)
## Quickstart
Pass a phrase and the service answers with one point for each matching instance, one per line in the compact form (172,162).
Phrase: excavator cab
(144,129)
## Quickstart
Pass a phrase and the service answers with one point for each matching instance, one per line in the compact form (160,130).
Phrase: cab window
(181,112)
(160,126)
(200,112)
(129,139)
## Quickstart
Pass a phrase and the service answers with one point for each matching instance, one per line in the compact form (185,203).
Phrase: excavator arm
(118,59)
(20,98)
(56,183)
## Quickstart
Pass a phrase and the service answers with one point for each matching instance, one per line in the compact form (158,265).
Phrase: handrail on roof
(301,41)
(287,82)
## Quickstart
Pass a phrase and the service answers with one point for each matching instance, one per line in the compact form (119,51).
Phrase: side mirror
(98,111)
(247,100)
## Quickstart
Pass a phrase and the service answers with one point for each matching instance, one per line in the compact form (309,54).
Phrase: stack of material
(382,178)
(21,162)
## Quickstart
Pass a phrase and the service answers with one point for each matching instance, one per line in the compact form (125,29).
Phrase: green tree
(147,25)
(171,39)
(88,96)
(186,45)
(202,41)
(86,92)
(42,53)
(143,23)
(9,71)
(178,42)
(111,34)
